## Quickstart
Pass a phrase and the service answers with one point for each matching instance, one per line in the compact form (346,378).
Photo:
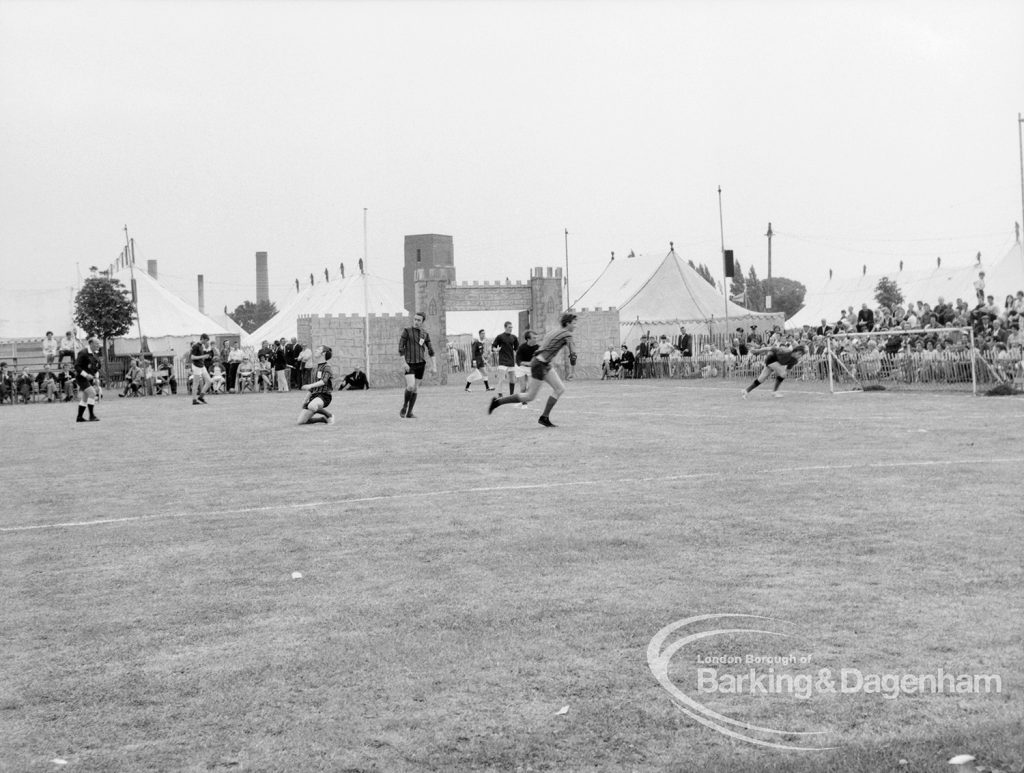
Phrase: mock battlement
(597,308)
(357,317)
(506,283)
(549,272)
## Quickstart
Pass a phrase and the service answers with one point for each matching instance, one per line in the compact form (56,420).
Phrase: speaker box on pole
(729,271)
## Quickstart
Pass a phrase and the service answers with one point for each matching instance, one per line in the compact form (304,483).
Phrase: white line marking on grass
(491,489)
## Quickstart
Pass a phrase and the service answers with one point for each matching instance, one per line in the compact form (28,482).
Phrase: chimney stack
(151,268)
(262,280)
(202,300)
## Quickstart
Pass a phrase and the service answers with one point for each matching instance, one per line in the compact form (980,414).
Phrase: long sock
(412,400)
(81,411)
(754,385)
(91,411)
(511,387)
(486,385)
(778,383)
(405,402)
(550,404)
(507,400)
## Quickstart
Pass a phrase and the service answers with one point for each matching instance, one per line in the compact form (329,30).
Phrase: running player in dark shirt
(413,343)
(524,354)
(541,370)
(87,368)
(314,409)
(780,361)
(505,344)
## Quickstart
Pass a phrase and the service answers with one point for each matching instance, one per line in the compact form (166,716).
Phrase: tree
(738,284)
(887,293)
(250,316)
(787,295)
(103,308)
(755,292)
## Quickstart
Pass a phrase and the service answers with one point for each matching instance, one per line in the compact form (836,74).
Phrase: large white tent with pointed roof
(836,294)
(658,293)
(354,294)
(168,323)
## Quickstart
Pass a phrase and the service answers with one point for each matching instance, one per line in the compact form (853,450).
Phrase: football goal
(940,359)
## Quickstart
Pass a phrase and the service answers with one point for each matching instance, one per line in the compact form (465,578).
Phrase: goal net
(940,359)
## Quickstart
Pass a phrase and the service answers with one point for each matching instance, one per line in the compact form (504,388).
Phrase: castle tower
(262,279)
(546,290)
(424,252)
(430,287)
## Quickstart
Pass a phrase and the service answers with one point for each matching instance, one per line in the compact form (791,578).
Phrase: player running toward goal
(314,409)
(506,344)
(541,370)
(414,343)
(780,361)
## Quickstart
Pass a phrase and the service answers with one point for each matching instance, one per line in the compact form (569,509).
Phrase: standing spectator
(753,338)
(66,347)
(979,286)
(684,343)
(304,364)
(50,348)
(506,344)
(641,358)
(281,366)
(479,366)
(6,384)
(200,356)
(664,351)
(412,344)
(295,374)
(235,357)
(87,369)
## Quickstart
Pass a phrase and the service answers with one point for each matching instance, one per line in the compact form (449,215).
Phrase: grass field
(465,578)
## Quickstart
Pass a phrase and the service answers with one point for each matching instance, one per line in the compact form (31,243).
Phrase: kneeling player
(780,361)
(314,409)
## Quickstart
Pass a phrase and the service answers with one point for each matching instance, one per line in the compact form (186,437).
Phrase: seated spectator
(23,385)
(264,374)
(355,380)
(66,348)
(627,361)
(217,381)
(66,382)
(50,348)
(46,383)
(245,376)
(133,379)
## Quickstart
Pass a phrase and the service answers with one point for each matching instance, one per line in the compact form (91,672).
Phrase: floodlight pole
(768,296)
(1020,141)
(725,279)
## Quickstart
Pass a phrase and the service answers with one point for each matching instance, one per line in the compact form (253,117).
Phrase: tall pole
(1020,140)
(768,295)
(129,254)
(725,279)
(366,301)
(568,299)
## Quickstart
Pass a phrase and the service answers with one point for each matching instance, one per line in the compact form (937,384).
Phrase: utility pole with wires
(768,286)
(129,254)
(365,277)
(725,278)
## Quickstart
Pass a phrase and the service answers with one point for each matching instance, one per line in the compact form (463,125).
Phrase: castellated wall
(596,330)
(344,333)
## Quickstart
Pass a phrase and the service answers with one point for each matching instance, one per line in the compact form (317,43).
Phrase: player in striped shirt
(314,409)
(414,342)
(780,360)
(541,370)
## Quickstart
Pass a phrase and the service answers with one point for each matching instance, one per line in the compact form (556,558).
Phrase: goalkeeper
(780,360)
(541,370)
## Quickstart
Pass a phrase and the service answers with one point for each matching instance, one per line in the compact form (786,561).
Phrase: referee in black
(412,345)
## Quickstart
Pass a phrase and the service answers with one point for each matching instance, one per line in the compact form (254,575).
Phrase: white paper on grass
(961,759)
(296,575)
(563,710)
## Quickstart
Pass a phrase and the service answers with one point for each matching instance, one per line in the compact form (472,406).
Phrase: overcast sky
(866,132)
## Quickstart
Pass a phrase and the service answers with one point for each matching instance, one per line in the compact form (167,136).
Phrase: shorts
(522,370)
(539,369)
(326,397)
(416,369)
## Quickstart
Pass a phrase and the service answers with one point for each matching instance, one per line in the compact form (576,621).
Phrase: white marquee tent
(658,293)
(337,296)
(830,298)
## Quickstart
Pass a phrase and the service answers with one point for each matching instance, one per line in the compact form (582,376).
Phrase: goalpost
(927,360)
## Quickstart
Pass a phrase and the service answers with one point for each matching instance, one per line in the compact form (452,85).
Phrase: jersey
(506,344)
(413,343)
(201,356)
(323,373)
(478,354)
(785,357)
(86,364)
(525,353)
(553,343)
